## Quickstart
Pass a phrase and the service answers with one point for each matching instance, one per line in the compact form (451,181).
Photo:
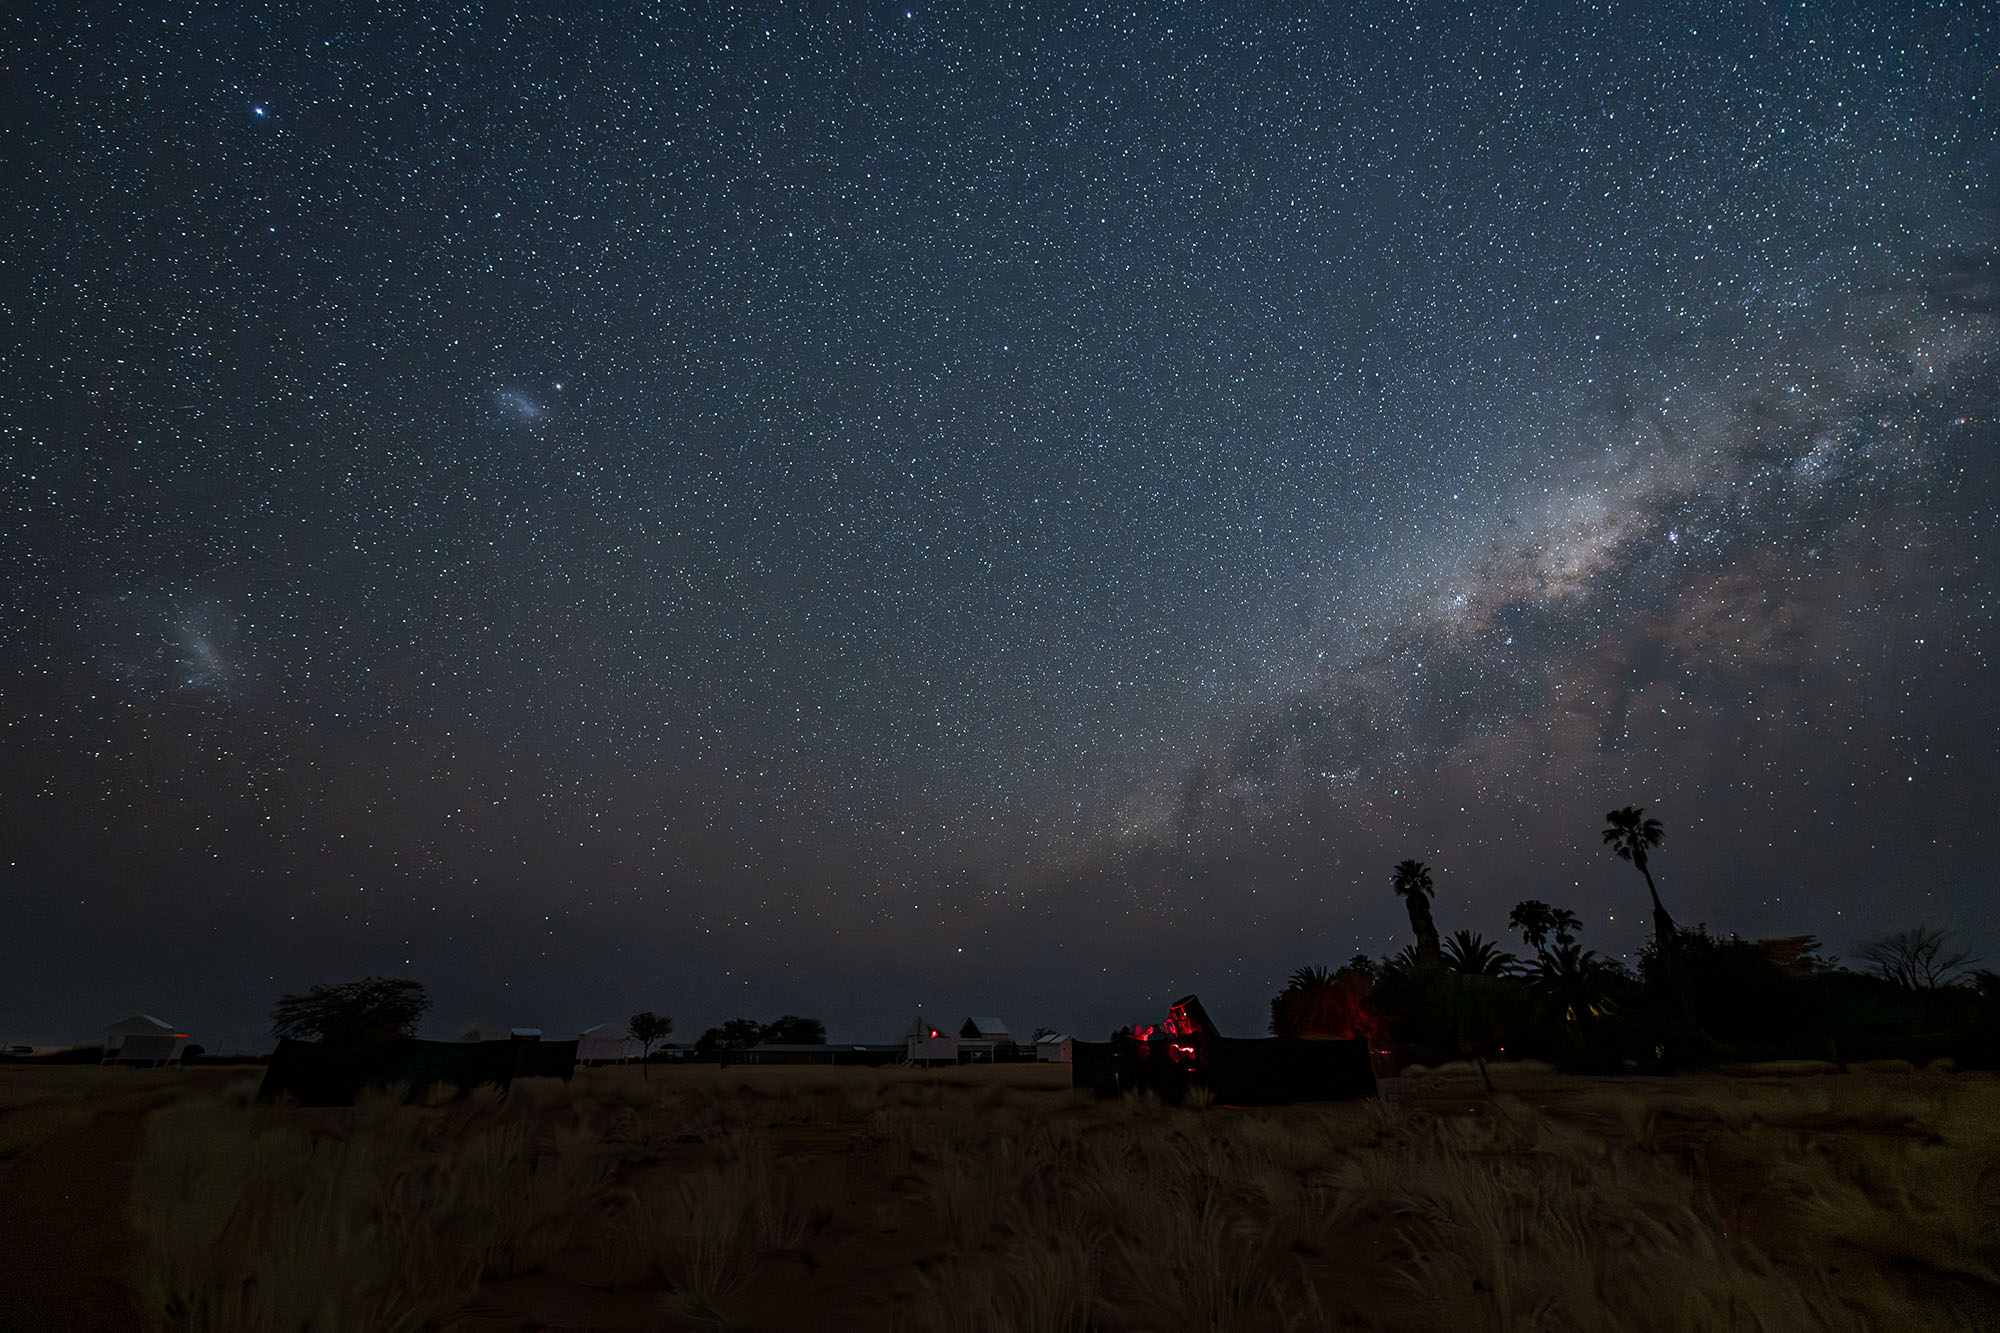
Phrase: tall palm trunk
(1667,937)
(1429,952)
(1664,929)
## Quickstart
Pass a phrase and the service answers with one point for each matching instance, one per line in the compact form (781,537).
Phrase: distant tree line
(377,1009)
(742,1033)
(1694,998)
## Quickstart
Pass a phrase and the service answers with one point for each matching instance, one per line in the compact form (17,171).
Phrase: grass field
(994,1198)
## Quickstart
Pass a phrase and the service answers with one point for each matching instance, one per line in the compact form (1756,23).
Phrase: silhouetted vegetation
(1630,834)
(742,1033)
(1696,998)
(1413,885)
(1537,921)
(1920,959)
(647,1027)
(353,1013)
(1319,1003)
(1470,952)
(735,1035)
(791,1030)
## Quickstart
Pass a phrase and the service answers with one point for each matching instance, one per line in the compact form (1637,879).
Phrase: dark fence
(316,1075)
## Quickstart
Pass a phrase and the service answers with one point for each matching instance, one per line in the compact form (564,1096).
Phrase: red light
(934,1032)
(1179,1032)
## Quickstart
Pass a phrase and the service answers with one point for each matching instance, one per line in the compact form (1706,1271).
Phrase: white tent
(143,1039)
(605,1043)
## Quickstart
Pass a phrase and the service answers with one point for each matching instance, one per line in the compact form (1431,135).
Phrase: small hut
(985,1039)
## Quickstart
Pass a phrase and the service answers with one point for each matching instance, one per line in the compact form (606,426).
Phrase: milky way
(985,508)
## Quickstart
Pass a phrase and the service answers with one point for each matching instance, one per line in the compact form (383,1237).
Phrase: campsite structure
(1188,1052)
(606,1044)
(985,1039)
(143,1040)
(927,1044)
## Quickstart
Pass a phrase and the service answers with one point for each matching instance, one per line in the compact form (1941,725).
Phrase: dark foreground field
(994,1199)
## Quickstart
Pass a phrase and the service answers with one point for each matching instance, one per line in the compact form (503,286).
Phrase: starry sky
(1019,510)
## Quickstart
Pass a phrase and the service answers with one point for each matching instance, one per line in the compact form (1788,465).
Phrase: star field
(824,510)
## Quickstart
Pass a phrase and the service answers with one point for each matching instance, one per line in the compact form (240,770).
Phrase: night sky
(1009,510)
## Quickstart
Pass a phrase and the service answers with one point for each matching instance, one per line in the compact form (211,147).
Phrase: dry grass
(839,1198)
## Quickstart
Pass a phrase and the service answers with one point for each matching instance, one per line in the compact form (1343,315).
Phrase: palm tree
(1534,919)
(1400,965)
(1413,886)
(1629,834)
(1576,980)
(1472,954)
(1319,1003)
(1565,924)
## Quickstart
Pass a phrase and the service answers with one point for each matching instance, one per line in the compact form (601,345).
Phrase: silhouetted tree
(647,1027)
(1574,980)
(1469,952)
(1920,959)
(1565,924)
(1413,886)
(1319,1003)
(1534,919)
(735,1035)
(1630,834)
(1399,965)
(353,1013)
(791,1030)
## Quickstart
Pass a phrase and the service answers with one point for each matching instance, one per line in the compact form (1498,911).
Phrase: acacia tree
(1630,835)
(791,1030)
(735,1035)
(1921,959)
(1413,886)
(646,1028)
(353,1013)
